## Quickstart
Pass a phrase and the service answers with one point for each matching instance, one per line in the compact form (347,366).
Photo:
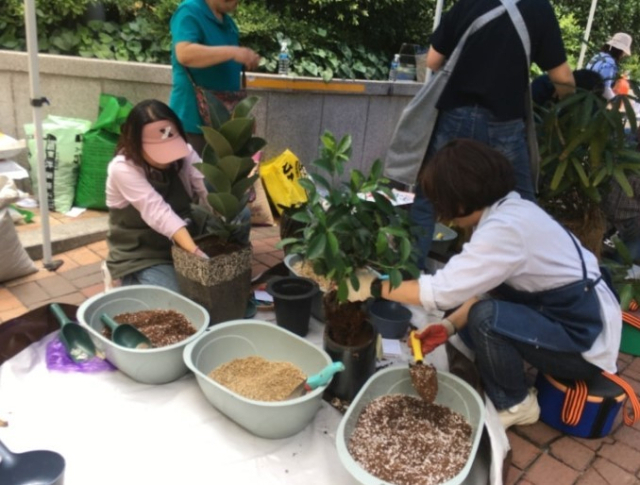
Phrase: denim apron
(564,319)
(133,245)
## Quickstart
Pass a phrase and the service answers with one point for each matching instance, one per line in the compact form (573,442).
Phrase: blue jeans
(508,137)
(159,275)
(500,359)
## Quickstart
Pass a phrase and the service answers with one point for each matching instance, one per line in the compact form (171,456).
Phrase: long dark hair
(464,176)
(143,113)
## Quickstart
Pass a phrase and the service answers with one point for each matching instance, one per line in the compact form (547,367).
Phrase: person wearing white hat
(606,62)
(151,190)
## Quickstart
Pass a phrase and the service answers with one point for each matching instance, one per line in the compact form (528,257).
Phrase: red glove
(434,335)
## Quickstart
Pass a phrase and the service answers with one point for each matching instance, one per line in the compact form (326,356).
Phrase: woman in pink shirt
(156,197)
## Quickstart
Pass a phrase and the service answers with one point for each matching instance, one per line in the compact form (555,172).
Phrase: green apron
(133,245)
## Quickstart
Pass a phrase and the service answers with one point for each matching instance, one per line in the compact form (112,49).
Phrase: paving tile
(635,364)
(513,475)
(622,455)
(98,245)
(258,269)
(92,290)
(89,280)
(547,470)
(572,453)
(8,301)
(41,273)
(594,444)
(538,433)
(56,286)
(267,259)
(67,263)
(610,473)
(524,452)
(12,313)
(81,271)
(628,436)
(83,256)
(29,293)
(73,298)
(630,373)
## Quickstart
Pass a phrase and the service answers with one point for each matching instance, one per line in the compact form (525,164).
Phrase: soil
(407,441)
(346,321)
(212,246)
(425,380)
(161,327)
(259,379)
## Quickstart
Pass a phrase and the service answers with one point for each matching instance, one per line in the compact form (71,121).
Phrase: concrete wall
(292,112)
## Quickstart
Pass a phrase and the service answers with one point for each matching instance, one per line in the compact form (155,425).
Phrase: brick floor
(541,455)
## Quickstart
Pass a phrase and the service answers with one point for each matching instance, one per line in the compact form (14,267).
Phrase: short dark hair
(613,52)
(143,113)
(464,176)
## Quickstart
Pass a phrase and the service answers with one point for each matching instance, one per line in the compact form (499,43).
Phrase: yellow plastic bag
(280,177)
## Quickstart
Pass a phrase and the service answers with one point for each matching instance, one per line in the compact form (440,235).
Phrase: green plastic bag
(98,148)
(62,153)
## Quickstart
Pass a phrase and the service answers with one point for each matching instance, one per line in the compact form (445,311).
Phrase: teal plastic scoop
(322,378)
(125,334)
(74,337)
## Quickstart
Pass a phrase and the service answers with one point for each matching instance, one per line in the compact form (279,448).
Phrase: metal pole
(36,103)
(587,33)
(436,22)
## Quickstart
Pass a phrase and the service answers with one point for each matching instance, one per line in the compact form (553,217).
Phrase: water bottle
(393,70)
(283,59)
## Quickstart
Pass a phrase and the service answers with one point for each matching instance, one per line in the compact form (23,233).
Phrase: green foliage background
(328,38)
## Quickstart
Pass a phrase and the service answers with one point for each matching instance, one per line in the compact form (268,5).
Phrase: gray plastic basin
(453,392)
(149,366)
(243,338)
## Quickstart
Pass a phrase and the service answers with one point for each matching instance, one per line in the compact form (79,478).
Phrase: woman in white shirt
(543,297)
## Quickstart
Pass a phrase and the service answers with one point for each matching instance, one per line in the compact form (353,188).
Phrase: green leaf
(621,178)
(317,245)
(237,132)
(242,186)
(236,168)
(224,204)
(382,244)
(217,141)
(215,177)
(244,107)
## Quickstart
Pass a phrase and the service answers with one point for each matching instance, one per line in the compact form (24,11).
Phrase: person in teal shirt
(205,40)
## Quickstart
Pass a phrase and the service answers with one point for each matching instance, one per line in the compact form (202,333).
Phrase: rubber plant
(222,284)
(348,227)
(584,148)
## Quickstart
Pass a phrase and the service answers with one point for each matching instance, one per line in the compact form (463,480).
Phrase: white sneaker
(527,412)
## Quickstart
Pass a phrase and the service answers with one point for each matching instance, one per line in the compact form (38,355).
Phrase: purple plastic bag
(57,359)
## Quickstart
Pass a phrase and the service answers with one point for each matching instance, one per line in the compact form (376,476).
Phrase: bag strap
(631,319)
(243,78)
(521,27)
(574,402)
(629,419)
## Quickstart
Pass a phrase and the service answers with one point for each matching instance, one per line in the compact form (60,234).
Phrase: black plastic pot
(292,298)
(359,363)
(391,319)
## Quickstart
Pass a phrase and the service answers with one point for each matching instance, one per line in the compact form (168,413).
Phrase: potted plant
(584,147)
(348,227)
(222,284)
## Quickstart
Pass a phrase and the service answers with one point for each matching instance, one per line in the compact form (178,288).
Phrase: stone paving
(540,454)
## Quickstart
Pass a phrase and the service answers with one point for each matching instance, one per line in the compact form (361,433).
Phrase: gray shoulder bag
(413,132)
(532,137)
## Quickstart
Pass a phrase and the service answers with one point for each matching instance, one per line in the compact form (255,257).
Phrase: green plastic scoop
(74,337)
(125,334)
(322,378)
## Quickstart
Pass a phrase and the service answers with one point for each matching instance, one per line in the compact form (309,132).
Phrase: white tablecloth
(113,430)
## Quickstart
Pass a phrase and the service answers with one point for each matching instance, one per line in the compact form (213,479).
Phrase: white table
(113,430)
